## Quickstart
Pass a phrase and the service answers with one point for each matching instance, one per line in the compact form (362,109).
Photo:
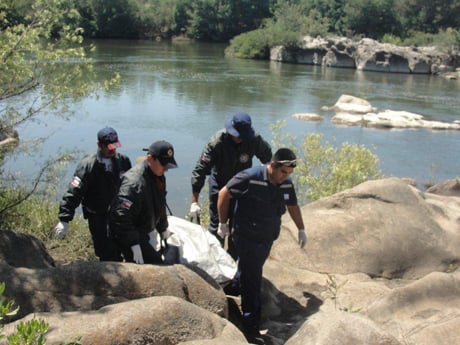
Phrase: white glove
(153,239)
(61,230)
(137,254)
(302,238)
(195,209)
(223,230)
(165,234)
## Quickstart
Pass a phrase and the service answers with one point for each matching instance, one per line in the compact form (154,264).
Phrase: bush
(31,332)
(250,45)
(445,40)
(37,216)
(289,25)
(322,169)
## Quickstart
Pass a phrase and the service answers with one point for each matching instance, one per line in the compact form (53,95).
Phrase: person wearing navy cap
(228,152)
(138,211)
(94,183)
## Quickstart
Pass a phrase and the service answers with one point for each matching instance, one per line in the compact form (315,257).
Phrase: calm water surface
(184,92)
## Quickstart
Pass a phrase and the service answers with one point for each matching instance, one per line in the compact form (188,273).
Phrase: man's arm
(263,150)
(223,204)
(77,189)
(296,215)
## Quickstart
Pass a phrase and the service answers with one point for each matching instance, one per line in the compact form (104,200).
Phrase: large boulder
(427,310)
(338,328)
(20,250)
(91,285)
(384,228)
(354,111)
(448,187)
(154,320)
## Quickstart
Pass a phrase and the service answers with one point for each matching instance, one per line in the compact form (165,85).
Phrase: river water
(184,92)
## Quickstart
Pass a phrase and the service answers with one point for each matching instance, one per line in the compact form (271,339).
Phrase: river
(184,92)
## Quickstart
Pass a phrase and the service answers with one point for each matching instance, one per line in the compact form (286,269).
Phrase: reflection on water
(184,92)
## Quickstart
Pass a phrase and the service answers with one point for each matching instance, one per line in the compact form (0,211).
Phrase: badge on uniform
(286,196)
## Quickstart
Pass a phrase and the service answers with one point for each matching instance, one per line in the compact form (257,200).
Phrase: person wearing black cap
(139,208)
(228,152)
(261,196)
(94,183)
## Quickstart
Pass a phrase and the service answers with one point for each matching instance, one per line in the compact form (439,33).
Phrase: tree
(116,18)
(371,18)
(333,10)
(429,16)
(43,67)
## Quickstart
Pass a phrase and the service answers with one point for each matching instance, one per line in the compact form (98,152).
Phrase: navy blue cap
(109,137)
(239,125)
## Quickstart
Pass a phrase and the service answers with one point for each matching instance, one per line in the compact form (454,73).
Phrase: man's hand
(137,254)
(61,230)
(223,230)
(302,238)
(153,239)
(195,210)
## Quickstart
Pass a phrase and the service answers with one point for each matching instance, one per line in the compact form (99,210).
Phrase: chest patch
(244,158)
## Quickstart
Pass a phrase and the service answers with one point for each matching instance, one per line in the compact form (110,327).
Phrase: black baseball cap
(164,152)
(109,137)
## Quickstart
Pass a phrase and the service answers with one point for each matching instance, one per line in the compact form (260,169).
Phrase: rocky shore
(380,267)
(369,55)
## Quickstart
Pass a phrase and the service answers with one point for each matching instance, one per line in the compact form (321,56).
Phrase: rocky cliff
(369,55)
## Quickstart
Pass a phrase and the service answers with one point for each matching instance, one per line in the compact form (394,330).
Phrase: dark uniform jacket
(93,186)
(259,204)
(139,207)
(222,158)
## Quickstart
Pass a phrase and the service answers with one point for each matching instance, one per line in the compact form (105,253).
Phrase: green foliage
(7,307)
(290,23)
(36,216)
(156,18)
(222,20)
(31,332)
(287,27)
(392,39)
(43,69)
(428,16)
(373,18)
(250,45)
(323,170)
(446,40)
(333,10)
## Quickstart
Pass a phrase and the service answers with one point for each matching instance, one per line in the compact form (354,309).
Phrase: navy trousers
(251,259)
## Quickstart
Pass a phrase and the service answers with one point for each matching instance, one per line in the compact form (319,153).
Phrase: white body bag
(197,246)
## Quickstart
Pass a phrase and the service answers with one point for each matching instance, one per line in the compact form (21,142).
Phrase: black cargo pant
(105,247)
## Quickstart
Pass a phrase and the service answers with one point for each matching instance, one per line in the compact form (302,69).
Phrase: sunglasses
(288,163)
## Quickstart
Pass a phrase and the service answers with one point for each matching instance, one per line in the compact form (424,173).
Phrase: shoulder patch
(205,158)
(76,182)
(125,203)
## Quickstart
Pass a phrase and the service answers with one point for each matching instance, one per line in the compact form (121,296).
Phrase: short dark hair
(284,157)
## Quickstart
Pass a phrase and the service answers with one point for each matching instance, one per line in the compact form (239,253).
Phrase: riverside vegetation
(39,37)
